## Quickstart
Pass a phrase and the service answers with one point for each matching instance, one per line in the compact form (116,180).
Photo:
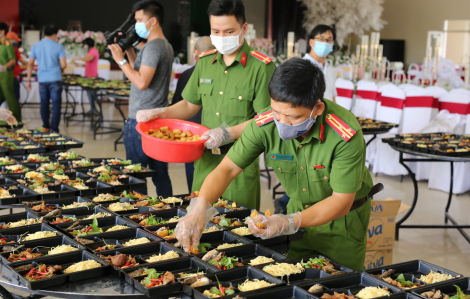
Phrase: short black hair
(298,82)
(320,29)
(50,30)
(3,26)
(151,8)
(234,8)
(89,42)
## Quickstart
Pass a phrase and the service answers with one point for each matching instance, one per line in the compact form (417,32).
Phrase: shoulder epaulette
(263,58)
(340,127)
(208,53)
(264,118)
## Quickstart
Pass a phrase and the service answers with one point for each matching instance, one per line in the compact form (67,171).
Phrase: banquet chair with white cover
(366,99)
(391,110)
(437,92)
(418,111)
(420,108)
(456,102)
(345,92)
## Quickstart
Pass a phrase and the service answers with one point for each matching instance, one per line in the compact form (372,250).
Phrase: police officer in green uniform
(231,83)
(7,63)
(317,150)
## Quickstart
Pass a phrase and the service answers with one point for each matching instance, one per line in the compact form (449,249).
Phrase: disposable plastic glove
(217,137)
(189,229)
(276,225)
(5,114)
(3,68)
(149,114)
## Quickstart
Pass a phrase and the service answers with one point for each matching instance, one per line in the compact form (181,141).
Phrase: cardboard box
(378,258)
(381,230)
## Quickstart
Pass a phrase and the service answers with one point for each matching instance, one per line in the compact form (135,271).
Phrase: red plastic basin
(172,151)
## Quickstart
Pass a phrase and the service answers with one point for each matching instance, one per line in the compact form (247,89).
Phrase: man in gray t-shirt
(150,74)
(157,54)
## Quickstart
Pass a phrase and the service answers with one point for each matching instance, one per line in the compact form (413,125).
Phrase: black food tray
(248,252)
(314,271)
(16,232)
(64,260)
(446,288)
(266,242)
(4,219)
(60,202)
(21,194)
(120,237)
(284,292)
(43,246)
(141,252)
(147,173)
(103,223)
(351,284)
(415,269)
(234,277)
(159,215)
(188,265)
(153,230)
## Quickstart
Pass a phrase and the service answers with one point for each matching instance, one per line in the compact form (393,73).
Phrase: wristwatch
(123,62)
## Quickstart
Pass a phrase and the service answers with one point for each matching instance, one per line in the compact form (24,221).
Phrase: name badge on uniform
(205,81)
(216,151)
(278,157)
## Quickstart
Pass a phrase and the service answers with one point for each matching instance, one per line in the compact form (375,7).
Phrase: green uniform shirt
(7,53)
(230,95)
(310,171)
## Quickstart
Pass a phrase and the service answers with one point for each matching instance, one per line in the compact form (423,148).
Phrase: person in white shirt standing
(321,40)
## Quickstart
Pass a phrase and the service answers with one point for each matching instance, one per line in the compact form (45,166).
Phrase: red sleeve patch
(340,127)
(264,118)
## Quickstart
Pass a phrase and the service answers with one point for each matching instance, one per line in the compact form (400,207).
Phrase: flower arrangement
(72,42)
(262,45)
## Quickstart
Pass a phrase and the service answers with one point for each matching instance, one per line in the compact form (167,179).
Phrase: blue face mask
(289,132)
(322,49)
(15,44)
(141,30)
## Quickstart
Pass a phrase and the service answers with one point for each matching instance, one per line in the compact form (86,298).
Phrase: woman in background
(91,69)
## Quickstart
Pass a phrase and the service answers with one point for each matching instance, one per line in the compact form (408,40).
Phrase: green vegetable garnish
(225,222)
(406,283)
(203,247)
(460,294)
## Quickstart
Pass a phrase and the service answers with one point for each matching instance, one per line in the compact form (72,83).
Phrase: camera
(125,36)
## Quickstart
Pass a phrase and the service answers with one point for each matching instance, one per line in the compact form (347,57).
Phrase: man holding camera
(231,83)
(150,73)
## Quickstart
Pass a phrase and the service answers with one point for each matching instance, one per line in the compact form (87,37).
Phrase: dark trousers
(16,87)
(51,91)
(92,99)
(189,175)
(134,152)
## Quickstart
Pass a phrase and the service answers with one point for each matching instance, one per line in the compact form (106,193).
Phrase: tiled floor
(446,248)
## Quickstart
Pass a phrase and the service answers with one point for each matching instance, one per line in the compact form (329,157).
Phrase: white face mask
(226,44)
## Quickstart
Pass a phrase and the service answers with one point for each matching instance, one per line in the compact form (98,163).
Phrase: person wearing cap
(15,39)
(317,151)
(231,84)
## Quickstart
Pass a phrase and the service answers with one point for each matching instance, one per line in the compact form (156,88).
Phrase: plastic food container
(172,151)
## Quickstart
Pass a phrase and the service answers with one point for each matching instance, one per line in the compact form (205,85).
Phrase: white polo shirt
(330,77)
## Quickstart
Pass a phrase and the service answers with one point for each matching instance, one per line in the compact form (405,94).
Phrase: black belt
(358,203)
(222,150)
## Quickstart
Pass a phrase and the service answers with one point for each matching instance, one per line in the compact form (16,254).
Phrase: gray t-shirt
(158,54)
